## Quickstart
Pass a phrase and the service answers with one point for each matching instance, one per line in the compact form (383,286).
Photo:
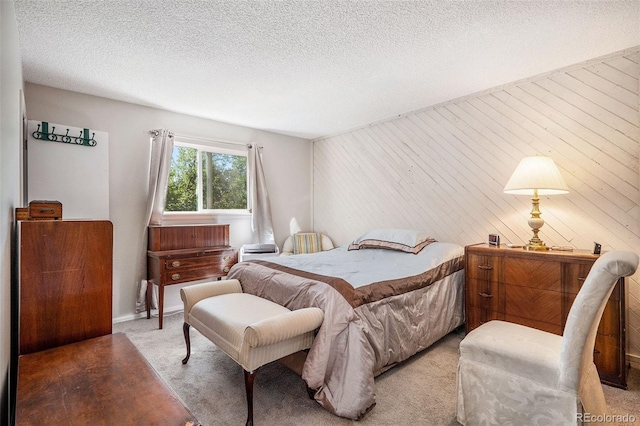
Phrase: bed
(382,304)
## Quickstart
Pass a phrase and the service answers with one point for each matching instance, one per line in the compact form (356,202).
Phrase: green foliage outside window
(224,181)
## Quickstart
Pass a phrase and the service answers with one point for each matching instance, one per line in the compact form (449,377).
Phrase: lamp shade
(536,173)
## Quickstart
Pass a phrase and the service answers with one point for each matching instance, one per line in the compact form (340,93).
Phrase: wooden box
(22,213)
(45,210)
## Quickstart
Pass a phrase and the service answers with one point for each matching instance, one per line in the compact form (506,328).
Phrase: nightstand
(537,289)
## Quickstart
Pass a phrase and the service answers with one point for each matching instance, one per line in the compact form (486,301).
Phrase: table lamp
(537,175)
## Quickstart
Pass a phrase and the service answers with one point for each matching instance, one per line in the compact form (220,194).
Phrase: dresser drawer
(477,316)
(541,274)
(534,323)
(574,276)
(204,261)
(484,295)
(482,267)
(608,358)
(181,276)
(535,304)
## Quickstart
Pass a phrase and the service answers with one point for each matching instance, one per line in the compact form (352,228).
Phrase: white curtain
(159,166)
(261,223)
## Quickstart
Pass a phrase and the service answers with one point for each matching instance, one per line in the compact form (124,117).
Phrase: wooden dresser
(65,282)
(537,289)
(184,253)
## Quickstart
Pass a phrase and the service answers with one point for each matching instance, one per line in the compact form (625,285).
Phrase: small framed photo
(494,239)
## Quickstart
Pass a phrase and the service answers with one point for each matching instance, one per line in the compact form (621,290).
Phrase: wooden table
(100,381)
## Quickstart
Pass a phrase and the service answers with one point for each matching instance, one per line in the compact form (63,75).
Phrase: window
(205,178)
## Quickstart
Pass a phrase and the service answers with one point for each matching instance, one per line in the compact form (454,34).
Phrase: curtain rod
(193,138)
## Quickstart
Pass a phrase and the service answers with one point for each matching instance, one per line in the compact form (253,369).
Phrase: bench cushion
(228,315)
(254,331)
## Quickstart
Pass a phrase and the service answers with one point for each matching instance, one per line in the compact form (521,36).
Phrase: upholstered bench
(253,331)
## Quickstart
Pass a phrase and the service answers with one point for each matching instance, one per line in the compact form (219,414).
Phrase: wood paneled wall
(443,168)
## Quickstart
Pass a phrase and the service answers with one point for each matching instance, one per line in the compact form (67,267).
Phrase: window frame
(217,147)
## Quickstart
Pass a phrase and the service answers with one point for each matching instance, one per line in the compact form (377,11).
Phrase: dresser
(537,289)
(184,253)
(65,287)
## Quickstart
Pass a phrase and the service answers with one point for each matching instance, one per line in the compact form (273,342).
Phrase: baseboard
(634,360)
(154,313)
(128,317)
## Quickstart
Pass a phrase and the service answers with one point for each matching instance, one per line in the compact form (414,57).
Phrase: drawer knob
(487,295)
(226,269)
(226,258)
(581,278)
(485,267)
(175,263)
(175,277)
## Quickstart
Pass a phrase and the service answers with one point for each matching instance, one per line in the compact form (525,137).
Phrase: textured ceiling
(308,68)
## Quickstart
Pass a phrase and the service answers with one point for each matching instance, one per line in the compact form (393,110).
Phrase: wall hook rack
(82,139)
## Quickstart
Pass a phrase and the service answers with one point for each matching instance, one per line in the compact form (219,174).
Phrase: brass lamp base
(535,222)
(536,247)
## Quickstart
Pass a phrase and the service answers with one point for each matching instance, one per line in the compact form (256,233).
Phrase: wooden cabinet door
(65,282)
(163,238)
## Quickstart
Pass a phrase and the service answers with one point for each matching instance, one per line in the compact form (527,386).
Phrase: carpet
(420,391)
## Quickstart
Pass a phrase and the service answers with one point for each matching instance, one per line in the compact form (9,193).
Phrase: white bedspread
(366,266)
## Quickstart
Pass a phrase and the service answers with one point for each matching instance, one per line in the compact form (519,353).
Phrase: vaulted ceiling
(309,68)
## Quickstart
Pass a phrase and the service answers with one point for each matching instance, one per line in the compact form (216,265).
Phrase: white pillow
(393,239)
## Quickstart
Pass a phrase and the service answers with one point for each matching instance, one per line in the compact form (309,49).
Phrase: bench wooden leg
(149,296)
(187,341)
(248,384)
(160,304)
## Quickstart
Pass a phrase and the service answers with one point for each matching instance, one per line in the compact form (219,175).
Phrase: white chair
(510,374)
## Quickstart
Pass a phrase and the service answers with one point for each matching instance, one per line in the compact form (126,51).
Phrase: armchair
(512,374)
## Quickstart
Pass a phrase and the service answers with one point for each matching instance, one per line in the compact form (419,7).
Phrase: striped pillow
(306,242)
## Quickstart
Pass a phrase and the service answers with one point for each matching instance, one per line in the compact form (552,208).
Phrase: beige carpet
(421,391)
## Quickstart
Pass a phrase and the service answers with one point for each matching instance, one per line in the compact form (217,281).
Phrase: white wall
(443,168)
(287,163)
(81,172)
(10,122)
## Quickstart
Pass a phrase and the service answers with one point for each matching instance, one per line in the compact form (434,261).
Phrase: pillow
(393,239)
(306,242)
